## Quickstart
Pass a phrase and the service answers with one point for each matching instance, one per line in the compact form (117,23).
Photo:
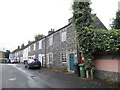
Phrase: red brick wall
(107,65)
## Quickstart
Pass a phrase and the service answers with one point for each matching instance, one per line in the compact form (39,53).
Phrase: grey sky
(21,20)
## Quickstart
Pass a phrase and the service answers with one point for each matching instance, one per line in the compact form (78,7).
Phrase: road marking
(12,79)
(28,74)
(17,67)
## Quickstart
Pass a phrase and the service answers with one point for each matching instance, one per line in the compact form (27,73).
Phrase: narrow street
(16,76)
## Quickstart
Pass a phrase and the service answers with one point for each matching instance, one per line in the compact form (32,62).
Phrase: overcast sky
(21,20)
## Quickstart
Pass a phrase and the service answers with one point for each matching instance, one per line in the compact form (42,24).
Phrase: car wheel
(39,67)
(28,67)
(25,66)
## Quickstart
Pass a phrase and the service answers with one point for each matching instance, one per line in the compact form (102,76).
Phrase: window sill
(64,62)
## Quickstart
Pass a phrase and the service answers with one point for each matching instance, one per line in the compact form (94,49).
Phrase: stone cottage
(59,50)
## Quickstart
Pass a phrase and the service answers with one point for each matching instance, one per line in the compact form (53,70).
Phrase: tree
(30,42)
(82,16)
(39,36)
(116,22)
(82,21)
(7,53)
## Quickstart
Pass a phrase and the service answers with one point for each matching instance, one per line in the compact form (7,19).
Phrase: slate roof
(97,23)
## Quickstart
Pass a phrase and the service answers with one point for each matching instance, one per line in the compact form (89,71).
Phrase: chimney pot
(51,31)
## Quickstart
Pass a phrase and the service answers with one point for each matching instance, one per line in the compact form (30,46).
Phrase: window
(51,40)
(29,49)
(63,56)
(50,57)
(40,44)
(63,36)
(16,53)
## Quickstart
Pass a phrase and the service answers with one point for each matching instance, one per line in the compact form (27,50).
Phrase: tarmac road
(14,77)
(17,76)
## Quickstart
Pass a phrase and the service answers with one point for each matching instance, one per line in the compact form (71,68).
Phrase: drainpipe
(45,52)
(78,55)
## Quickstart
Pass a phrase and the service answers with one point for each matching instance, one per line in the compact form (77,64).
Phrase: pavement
(17,76)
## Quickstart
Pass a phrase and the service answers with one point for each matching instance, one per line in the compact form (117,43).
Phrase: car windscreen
(31,60)
(36,60)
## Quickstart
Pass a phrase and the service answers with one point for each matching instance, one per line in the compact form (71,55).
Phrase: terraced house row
(59,50)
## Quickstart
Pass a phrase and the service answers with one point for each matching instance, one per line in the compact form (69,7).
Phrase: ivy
(82,21)
(107,40)
(90,40)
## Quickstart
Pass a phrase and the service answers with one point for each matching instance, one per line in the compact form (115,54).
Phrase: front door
(40,58)
(71,57)
(43,61)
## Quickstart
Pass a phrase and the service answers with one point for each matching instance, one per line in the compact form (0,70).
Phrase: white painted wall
(25,54)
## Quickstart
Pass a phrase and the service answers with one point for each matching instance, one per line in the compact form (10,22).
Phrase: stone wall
(107,66)
(58,46)
(106,75)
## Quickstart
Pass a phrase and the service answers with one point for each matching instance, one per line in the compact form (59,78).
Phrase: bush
(107,40)
(91,41)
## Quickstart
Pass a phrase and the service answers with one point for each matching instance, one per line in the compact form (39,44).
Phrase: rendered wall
(107,66)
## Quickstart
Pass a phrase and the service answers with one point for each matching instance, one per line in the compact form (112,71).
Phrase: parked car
(33,63)
(15,61)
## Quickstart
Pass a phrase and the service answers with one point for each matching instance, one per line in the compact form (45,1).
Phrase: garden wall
(107,66)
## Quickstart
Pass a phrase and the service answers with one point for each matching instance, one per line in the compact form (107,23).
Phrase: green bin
(82,70)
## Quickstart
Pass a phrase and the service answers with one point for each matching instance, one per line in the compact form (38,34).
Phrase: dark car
(33,63)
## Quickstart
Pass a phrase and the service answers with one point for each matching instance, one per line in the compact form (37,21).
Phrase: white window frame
(63,56)
(40,44)
(51,40)
(50,58)
(29,49)
(40,57)
(63,36)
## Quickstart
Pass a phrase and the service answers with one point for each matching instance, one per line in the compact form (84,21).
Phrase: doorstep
(70,72)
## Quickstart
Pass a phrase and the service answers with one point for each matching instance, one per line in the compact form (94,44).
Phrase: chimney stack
(18,47)
(22,45)
(51,31)
(36,38)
